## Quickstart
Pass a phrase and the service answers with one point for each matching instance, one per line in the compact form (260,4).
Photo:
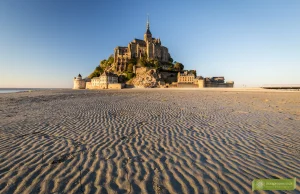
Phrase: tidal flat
(147,140)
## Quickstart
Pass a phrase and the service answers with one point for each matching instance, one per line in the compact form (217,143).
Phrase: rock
(148,79)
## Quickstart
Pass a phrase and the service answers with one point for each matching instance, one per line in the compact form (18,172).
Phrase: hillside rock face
(148,79)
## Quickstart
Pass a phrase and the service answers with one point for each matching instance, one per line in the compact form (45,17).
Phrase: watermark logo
(259,184)
(274,184)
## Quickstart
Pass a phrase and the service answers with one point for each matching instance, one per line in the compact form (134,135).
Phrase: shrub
(130,75)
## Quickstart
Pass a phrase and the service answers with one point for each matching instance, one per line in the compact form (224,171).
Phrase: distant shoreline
(21,90)
(26,90)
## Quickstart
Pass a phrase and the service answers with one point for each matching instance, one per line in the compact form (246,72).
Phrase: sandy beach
(148,140)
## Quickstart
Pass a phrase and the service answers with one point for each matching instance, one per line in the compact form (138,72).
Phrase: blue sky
(45,43)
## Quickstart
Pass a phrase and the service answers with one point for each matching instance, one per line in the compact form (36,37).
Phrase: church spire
(148,25)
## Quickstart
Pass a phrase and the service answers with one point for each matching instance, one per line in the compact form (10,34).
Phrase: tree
(103,64)
(133,61)
(171,60)
(130,68)
(156,64)
(106,63)
(178,66)
(192,72)
(94,74)
(110,60)
(143,62)
(130,76)
(99,69)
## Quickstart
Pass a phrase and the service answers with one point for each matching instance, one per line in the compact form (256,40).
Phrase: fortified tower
(79,83)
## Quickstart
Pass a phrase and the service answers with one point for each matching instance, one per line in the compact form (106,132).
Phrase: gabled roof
(139,41)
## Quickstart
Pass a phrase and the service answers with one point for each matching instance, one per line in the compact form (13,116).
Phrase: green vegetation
(192,72)
(178,66)
(106,63)
(130,68)
(132,61)
(96,73)
(130,76)
(143,61)
(102,66)
(171,65)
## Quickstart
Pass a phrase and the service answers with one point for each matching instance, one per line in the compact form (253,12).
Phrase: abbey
(144,63)
(149,48)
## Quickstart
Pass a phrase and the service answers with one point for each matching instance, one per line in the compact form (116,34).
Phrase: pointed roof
(148,26)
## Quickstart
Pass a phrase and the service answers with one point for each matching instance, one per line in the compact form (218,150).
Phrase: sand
(147,140)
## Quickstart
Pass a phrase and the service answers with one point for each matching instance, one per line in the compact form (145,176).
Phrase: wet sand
(147,140)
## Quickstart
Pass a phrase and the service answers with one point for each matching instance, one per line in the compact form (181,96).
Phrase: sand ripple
(147,141)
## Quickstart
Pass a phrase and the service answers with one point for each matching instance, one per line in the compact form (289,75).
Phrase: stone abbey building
(149,47)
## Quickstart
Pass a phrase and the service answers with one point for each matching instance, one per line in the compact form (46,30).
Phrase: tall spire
(148,35)
(148,24)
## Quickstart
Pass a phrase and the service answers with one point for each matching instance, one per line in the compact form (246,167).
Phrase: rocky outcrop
(148,79)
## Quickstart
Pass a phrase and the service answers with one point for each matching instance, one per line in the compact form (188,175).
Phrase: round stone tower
(79,83)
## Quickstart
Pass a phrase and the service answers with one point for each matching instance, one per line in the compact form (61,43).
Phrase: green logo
(274,184)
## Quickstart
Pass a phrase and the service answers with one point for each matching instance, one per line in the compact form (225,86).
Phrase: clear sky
(45,43)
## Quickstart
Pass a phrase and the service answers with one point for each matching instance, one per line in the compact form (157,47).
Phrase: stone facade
(217,82)
(149,47)
(104,81)
(185,78)
(190,80)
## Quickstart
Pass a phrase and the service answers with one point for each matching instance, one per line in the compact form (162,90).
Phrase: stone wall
(104,86)
(201,83)
(187,85)
(219,85)
(88,85)
(229,84)
(115,86)
(79,84)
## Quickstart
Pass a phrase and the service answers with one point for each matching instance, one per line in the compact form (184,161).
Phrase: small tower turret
(78,82)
